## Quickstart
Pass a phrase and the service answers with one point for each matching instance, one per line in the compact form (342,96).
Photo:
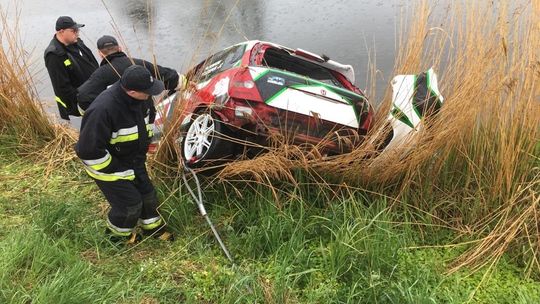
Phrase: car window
(281,59)
(219,62)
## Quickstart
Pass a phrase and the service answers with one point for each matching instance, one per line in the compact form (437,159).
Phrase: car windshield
(219,62)
(281,59)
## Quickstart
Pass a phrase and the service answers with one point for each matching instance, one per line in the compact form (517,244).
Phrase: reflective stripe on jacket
(115,133)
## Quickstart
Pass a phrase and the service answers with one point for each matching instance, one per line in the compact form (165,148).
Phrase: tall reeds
(475,165)
(479,154)
(21,115)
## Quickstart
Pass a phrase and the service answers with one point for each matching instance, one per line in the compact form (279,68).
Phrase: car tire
(206,141)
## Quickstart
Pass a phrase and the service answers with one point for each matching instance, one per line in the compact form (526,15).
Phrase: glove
(184,83)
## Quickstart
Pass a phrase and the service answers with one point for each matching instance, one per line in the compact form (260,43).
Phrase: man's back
(110,70)
(112,114)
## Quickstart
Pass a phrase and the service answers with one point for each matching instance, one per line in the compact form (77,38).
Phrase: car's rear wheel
(206,141)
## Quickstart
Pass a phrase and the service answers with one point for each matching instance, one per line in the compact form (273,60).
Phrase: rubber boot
(119,240)
(150,205)
(161,233)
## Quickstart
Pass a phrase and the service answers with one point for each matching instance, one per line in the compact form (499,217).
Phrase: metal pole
(202,210)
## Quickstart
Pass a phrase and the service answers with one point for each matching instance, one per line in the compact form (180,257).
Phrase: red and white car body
(255,88)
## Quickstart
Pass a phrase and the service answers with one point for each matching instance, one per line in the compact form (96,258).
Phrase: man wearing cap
(69,63)
(114,63)
(114,137)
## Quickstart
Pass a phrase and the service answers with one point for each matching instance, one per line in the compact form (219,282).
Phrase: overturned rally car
(248,93)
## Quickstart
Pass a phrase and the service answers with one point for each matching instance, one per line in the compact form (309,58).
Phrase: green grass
(311,247)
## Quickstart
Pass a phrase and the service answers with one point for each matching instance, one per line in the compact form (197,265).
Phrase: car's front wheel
(205,141)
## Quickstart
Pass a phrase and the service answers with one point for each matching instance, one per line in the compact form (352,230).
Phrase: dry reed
(21,115)
(479,152)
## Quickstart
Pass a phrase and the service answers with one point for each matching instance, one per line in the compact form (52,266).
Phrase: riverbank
(315,247)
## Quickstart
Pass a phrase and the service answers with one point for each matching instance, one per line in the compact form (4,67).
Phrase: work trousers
(130,201)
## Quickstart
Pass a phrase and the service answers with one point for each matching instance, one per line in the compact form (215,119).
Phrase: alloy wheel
(199,136)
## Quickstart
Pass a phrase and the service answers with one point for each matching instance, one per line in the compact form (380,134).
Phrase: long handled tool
(199,201)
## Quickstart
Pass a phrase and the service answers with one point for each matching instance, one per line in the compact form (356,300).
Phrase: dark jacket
(110,70)
(68,67)
(115,134)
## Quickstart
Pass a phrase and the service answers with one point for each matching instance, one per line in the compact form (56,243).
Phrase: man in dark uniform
(113,65)
(69,63)
(114,137)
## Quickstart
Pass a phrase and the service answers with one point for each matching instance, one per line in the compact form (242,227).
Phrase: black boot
(120,240)
(161,233)
(149,205)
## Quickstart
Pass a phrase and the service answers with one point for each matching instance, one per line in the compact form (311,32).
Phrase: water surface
(180,33)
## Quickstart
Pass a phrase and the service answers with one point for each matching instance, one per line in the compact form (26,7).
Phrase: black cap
(106,41)
(138,78)
(65,22)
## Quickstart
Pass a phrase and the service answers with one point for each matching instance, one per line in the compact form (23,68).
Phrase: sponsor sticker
(221,87)
(276,80)
(212,68)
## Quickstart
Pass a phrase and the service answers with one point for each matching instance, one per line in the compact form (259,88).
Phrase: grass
(314,247)
(478,159)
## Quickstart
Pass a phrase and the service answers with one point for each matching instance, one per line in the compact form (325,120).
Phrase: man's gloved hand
(184,83)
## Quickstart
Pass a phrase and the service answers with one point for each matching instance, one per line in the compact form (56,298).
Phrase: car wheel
(205,141)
